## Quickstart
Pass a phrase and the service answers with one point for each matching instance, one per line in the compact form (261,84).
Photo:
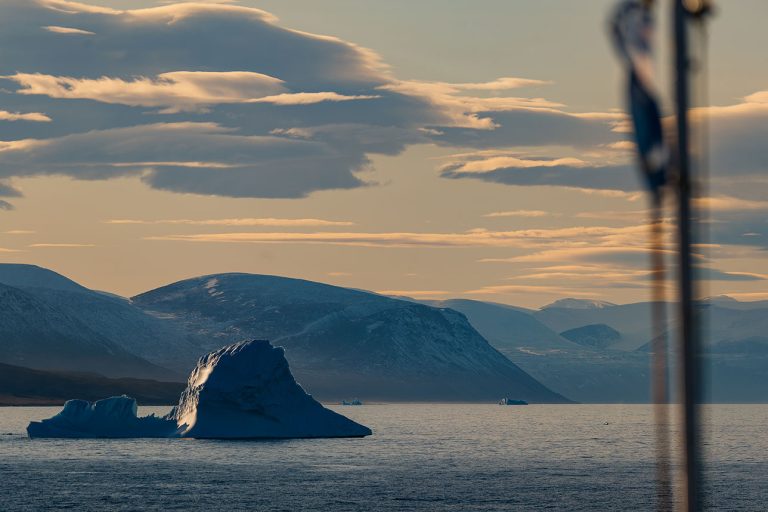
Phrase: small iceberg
(354,401)
(510,401)
(108,418)
(242,391)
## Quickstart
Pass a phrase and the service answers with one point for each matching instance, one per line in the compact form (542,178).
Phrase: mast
(689,325)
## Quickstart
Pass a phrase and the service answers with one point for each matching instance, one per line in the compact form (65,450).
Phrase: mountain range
(344,343)
(339,342)
(594,351)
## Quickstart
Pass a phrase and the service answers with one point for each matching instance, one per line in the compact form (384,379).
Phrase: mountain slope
(506,327)
(593,335)
(631,320)
(586,374)
(36,334)
(157,340)
(20,275)
(735,344)
(343,343)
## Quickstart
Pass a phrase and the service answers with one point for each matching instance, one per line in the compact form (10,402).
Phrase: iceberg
(246,390)
(512,401)
(108,418)
(242,391)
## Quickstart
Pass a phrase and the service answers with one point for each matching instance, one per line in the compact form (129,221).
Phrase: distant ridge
(32,276)
(578,304)
(25,386)
(593,335)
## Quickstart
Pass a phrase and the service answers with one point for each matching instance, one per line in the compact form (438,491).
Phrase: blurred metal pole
(689,327)
(659,340)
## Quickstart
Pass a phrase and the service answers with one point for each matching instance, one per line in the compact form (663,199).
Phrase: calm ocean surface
(421,457)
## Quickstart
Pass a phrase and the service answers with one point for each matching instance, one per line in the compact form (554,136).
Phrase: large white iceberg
(242,391)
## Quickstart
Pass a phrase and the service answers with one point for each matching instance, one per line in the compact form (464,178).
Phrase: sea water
(456,457)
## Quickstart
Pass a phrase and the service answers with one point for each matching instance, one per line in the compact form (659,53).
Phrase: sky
(433,149)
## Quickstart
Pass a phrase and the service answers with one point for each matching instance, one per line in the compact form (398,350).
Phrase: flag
(632,30)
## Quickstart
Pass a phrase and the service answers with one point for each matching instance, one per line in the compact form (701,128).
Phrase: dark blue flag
(632,30)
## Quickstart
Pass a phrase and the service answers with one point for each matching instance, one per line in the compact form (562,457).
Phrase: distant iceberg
(511,401)
(108,418)
(242,391)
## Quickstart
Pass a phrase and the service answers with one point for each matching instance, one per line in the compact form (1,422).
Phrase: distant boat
(351,402)
(509,401)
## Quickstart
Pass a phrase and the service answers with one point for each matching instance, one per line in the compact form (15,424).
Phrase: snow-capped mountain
(37,334)
(570,303)
(343,342)
(20,275)
(113,318)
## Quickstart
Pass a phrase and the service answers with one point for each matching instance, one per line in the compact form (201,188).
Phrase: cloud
(613,275)
(613,253)
(175,91)
(104,75)
(61,245)
(568,237)
(736,135)
(462,110)
(272,222)
(19,232)
(7,190)
(35,117)
(521,213)
(174,156)
(309,98)
(513,169)
(503,83)
(68,30)
(730,204)
(522,126)
(748,296)
(629,272)
(511,289)
(422,294)
(623,215)
(713,274)
(186,62)
(179,90)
